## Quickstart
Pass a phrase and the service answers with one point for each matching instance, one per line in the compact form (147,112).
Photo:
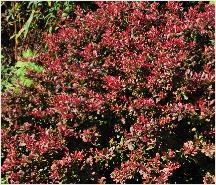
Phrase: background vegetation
(23,24)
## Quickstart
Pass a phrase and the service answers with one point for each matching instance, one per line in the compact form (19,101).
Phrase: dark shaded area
(73,144)
(183,130)
(176,137)
(90,5)
(188,173)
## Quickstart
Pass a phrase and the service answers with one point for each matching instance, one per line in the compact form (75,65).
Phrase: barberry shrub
(126,95)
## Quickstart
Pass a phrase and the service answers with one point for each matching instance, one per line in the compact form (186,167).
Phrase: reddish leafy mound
(127,96)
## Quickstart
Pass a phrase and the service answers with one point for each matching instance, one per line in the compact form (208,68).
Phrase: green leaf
(212,2)
(212,42)
(49,3)
(20,72)
(17,90)
(25,28)
(149,148)
(22,67)
(122,141)
(28,53)
(27,24)
(185,96)
(4,180)
(50,29)
(30,4)
(27,82)
(163,158)
(20,64)
(64,14)
(18,35)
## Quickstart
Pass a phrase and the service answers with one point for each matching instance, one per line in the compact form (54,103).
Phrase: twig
(15,30)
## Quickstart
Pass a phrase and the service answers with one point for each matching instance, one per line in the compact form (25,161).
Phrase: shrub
(126,96)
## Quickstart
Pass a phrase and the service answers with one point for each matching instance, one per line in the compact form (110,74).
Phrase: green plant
(22,26)
(19,72)
(4,180)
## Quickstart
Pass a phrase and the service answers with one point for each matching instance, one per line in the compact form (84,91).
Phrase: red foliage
(127,95)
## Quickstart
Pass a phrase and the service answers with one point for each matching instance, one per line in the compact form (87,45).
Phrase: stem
(15,30)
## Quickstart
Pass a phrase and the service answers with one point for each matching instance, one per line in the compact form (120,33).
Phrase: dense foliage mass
(22,26)
(126,95)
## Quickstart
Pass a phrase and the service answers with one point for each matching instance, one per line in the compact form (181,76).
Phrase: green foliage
(4,180)
(22,25)
(212,2)
(25,28)
(19,72)
(37,15)
(28,53)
